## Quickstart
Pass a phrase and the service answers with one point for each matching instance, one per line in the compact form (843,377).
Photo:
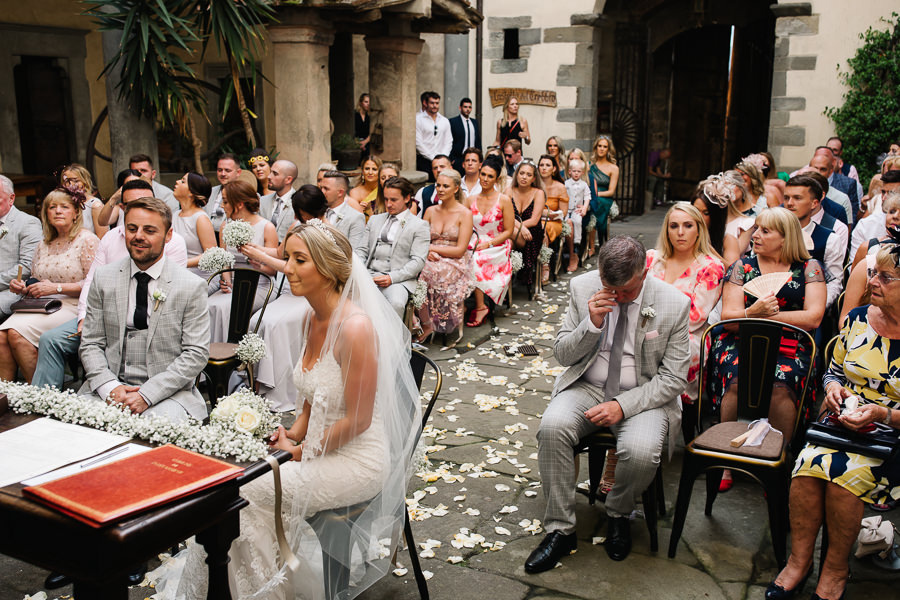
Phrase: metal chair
(334,522)
(222,360)
(758,346)
(653,498)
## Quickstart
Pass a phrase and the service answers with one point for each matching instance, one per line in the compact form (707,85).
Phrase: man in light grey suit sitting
(146,333)
(340,214)
(20,235)
(398,243)
(625,341)
(276,206)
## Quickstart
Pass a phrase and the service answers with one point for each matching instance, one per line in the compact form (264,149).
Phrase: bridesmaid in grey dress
(239,201)
(191,222)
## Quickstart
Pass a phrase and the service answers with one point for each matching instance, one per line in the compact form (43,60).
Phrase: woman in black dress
(511,126)
(527,194)
(361,125)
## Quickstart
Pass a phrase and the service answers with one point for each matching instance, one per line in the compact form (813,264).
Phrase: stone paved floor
(484,424)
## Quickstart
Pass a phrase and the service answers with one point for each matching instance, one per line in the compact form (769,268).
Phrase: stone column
(128,133)
(456,72)
(301,43)
(392,85)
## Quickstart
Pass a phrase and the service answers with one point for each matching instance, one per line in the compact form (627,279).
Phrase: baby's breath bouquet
(566,230)
(591,224)
(516,261)
(215,259)
(237,233)
(245,412)
(545,255)
(420,294)
(251,349)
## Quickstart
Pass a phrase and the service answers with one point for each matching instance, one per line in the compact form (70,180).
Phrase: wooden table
(98,560)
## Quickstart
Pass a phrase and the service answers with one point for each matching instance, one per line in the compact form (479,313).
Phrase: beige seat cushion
(718,438)
(222,350)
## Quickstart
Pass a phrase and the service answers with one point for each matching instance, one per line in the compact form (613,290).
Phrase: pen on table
(103,457)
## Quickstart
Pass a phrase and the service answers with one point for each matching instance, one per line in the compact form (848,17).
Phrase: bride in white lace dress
(351,443)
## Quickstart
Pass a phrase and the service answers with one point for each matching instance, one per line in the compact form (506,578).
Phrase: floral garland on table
(237,233)
(545,255)
(239,439)
(420,294)
(516,261)
(215,259)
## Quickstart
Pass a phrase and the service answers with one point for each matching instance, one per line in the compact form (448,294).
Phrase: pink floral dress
(449,283)
(702,283)
(492,268)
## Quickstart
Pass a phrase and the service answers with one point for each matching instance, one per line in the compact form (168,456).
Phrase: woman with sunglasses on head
(528,199)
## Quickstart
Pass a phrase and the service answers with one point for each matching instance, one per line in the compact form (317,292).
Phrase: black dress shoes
(776,592)
(618,538)
(554,546)
(136,576)
(56,580)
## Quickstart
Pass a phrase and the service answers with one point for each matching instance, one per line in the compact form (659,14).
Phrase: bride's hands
(280,440)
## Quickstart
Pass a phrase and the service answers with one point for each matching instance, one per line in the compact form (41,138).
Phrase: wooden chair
(335,524)
(653,498)
(222,360)
(758,347)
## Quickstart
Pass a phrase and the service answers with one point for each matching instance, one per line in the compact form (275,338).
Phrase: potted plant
(345,149)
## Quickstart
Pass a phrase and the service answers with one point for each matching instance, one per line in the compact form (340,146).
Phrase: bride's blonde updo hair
(329,250)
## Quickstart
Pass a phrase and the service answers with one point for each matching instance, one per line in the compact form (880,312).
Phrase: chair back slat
(758,359)
(244,284)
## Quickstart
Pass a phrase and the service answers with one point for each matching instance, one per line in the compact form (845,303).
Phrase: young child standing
(579,203)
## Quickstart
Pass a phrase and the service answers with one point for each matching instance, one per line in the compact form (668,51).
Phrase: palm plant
(155,80)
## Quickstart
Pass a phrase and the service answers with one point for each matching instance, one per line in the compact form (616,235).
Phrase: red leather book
(122,488)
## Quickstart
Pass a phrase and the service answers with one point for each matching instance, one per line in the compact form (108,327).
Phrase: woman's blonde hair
(82,175)
(701,247)
(887,260)
(504,121)
(58,195)
(757,182)
(611,153)
(786,223)
(370,158)
(329,250)
(890,201)
(561,161)
(579,154)
(537,183)
(454,176)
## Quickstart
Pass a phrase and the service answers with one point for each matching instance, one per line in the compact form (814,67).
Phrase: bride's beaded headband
(318,224)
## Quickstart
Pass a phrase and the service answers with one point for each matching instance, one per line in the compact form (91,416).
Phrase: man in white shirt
(340,214)
(433,134)
(227,169)
(144,164)
(802,196)
(471,165)
(276,206)
(56,344)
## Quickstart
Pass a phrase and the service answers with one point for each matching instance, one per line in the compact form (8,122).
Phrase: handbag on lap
(37,305)
(880,441)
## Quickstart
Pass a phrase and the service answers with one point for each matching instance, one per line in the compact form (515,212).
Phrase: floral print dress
(792,365)
(869,366)
(491,266)
(449,282)
(702,283)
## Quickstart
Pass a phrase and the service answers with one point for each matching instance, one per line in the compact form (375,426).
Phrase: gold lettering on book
(168,468)
(499,96)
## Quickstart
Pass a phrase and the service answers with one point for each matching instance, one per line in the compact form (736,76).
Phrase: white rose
(226,407)
(246,420)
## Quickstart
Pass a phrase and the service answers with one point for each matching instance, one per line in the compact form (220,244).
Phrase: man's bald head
(823,163)
(282,177)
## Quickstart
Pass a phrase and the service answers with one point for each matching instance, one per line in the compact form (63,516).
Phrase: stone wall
(813,40)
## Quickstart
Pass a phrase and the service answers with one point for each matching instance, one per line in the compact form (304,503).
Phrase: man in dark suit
(465,133)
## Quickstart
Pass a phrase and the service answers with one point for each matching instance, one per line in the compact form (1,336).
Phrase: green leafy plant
(869,119)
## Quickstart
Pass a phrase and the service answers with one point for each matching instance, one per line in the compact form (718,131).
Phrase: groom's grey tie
(387,228)
(615,353)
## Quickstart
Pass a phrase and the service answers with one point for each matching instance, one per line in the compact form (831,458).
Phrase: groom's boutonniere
(3,231)
(647,312)
(402,222)
(159,296)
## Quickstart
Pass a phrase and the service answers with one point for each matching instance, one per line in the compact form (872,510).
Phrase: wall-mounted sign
(499,96)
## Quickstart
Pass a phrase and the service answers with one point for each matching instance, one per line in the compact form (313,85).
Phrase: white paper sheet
(44,444)
(86,465)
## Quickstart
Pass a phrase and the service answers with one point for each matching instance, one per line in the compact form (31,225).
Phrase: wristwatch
(887,417)
(59,288)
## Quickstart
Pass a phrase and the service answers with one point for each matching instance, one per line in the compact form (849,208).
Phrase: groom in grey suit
(398,243)
(625,342)
(20,235)
(146,333)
